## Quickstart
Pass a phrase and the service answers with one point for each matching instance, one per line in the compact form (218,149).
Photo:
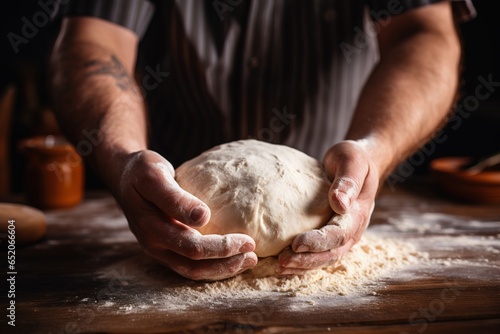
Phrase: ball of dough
(30,225)
(270,192)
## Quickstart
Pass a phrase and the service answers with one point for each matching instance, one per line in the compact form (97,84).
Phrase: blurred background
(25,108)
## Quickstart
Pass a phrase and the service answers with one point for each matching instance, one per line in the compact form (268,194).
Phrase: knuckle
(227,248)
(341,240)
(195,251)
(316,263)
(347,183)
(335,234)
(233,269)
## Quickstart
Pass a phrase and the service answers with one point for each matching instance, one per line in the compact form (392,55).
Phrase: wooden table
(60,287)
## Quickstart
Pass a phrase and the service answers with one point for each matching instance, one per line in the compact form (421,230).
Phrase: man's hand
(405,99)
(93,89)
(352,197)
(161,215)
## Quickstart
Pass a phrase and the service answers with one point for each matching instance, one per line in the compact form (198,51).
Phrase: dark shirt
(281,71)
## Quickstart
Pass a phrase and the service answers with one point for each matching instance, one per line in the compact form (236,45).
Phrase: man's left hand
(352,198)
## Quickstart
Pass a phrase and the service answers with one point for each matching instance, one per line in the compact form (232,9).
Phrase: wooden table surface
(60,287)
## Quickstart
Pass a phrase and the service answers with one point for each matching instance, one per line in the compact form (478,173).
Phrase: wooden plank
(61,289)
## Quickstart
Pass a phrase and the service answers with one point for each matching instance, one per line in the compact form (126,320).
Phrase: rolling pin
(30,224)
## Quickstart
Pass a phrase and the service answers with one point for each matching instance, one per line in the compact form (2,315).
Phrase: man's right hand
(93,90)
(162,216)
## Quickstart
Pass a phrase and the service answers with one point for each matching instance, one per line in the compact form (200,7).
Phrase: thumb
(343,192)
(169,197)
(348,172)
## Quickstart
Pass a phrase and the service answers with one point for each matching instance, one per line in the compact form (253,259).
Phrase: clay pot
(54,172)
(483,187)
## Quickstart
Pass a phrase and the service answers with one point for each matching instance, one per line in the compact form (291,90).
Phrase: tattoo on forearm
(112,68)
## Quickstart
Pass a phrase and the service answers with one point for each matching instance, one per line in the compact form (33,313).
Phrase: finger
(192,244)
(339,230)
(209,270)
(291,260)
(159,187)
(343,191)
(348,168)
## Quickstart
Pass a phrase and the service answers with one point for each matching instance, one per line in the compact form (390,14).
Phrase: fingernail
(303,249)
(197,214)
(246,248)
(248,262)
(344,200)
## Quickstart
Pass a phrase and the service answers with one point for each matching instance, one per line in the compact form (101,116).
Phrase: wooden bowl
(483,187)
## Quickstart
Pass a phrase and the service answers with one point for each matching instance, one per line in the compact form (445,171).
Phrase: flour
(99,220)
(373,258)
(447,237)
(438,223)
(356,274)
(360,275)
(389,254)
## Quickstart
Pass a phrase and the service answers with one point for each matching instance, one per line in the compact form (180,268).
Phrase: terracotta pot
(483,187)
(54,172)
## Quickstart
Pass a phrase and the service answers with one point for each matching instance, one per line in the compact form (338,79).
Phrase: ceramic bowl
(482,187)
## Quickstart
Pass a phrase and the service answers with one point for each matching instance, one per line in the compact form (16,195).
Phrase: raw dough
(270,192)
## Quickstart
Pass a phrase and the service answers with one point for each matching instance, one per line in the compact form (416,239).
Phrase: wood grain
(61,288)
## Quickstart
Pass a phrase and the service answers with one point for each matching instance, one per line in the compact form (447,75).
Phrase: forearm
(94,93)
(407,97)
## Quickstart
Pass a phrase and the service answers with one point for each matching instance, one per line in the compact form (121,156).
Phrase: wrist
(110,161)
(380,157)
(379,154)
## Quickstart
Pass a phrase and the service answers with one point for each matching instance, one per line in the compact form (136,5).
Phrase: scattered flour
(362,272)
(394,252)
(356,273)
(439,223)
(374,257)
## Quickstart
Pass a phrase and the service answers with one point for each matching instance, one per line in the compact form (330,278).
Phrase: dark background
(478,134)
